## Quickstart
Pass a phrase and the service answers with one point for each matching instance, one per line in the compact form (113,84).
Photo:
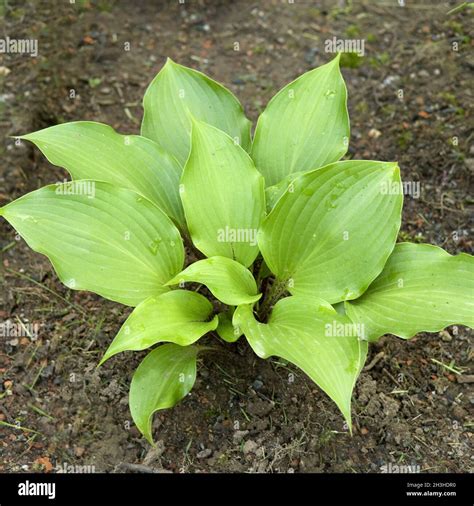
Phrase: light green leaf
(89,150)
(273,193)
(223,196)
(226,329)
(309,333)
(99,237)
(331,236)
(166,375)
(177,91)
(304,126)
(179,317)
(229,281)
(422,288)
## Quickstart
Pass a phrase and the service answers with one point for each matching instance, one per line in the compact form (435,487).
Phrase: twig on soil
(422,442)
(466,378)
(24,429)
(140,468)
(24,276)
(391,377)
(448,367)
(374,361)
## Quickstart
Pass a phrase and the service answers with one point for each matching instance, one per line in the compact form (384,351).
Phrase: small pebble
(239,435)
(204,454)
(249,447)
(257,384)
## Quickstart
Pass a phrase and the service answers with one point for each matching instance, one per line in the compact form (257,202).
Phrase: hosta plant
(202,228)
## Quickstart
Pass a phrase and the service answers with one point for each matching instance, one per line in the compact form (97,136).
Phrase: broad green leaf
(89,150)
(226,329)
(223,196)
(163,378)
(178,91)
(101,238)
(179,317)
(332,234)
(228,281)
(304,126)
(309,333)
(422,288)
(273,193)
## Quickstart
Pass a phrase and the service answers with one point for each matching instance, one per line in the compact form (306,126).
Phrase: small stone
(154,453)
(466,378)
(260,408)
(239,435)
(459,412)
(310,55)
(389,80)
(79,451)
(257,384)
(262,467)
(445,336)
(204,454)
(469,163)
(249,447)
(374,133)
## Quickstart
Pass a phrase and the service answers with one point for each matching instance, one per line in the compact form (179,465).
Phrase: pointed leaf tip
(422,288)
(164,377)
(228,280)
(88,256)
(321,343)
(177,316)
(223,216)
(313,110)
(91,150)
(313,237)
(177,88)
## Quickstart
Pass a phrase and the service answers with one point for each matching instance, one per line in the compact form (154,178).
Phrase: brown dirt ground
(243,413)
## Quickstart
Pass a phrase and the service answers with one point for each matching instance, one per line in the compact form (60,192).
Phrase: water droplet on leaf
(330,94)
(154,245)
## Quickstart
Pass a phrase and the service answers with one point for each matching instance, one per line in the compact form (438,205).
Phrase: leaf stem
(276,290)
